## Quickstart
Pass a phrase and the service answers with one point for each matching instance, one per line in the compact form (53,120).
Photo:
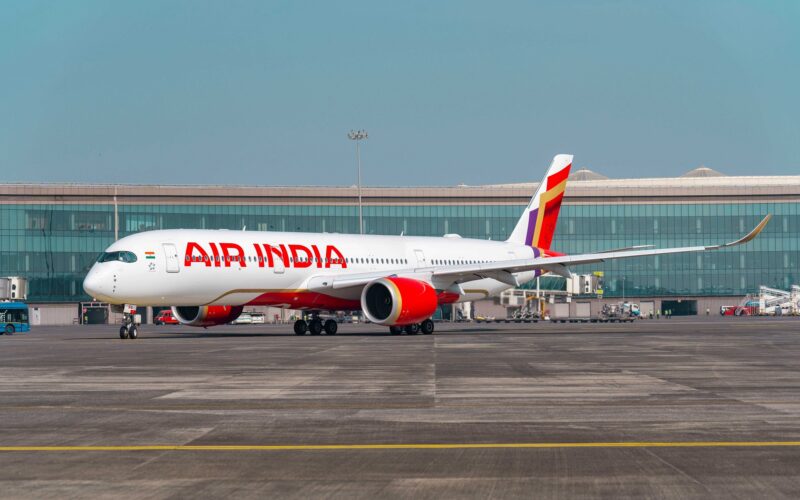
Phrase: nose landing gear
(128,331)
(130,320)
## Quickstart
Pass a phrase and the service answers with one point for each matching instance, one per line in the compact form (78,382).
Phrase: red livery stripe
(555,179)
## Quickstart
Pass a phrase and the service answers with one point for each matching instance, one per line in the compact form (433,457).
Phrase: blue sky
(264,92)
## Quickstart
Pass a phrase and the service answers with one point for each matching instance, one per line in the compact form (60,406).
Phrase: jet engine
(206,315)
(398,301)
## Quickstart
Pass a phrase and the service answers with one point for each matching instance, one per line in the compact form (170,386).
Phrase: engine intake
(206,315)
(398,301)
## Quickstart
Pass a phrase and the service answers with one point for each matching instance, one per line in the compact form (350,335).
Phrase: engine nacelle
(398,301)
(206,315)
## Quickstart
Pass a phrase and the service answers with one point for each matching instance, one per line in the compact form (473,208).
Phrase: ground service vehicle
(14,318)
(258,318)
(243,319)
(749,308)
(165,317)
(209,276)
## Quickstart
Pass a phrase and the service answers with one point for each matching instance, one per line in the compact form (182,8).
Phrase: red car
(165,317)
(738,310)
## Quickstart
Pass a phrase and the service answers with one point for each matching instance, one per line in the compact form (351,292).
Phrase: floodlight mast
(358,136)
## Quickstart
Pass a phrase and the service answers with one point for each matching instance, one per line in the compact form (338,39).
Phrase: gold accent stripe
(258,291)
(419,446)
(545,197)
(399,311)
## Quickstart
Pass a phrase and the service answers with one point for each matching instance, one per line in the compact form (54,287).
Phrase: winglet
(749,236)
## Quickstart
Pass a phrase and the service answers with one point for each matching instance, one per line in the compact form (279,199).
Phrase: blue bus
(13,318)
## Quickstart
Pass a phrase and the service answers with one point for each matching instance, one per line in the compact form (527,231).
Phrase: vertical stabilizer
(538,222)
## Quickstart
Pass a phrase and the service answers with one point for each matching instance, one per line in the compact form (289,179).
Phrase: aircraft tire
(412,329)
(123,332)
(331,327)
(133,333)
(300,327)
(395,330)
(315,326)
(426,327)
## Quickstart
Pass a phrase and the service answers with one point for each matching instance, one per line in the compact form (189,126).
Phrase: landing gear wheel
(395,330)
(10,330)
(123,332)
(412,329)
(315,327)
(331,327)
(300,327)
(426,327)
(133,333)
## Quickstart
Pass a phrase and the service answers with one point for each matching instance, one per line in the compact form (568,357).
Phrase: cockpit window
(117,256)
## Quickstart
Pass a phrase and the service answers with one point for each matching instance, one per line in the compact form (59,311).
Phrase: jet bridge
(773,301)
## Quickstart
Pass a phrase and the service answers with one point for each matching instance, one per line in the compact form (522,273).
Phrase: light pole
(623,289)
(358,135)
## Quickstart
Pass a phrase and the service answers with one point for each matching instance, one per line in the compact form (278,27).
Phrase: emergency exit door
(420,258)
(171,254)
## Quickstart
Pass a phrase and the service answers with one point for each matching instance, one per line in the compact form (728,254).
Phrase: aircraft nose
(95,283)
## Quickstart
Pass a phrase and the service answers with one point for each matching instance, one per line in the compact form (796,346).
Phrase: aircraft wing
(559,264)
(503,271)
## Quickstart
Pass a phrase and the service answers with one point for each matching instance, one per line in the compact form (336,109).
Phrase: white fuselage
(191,267)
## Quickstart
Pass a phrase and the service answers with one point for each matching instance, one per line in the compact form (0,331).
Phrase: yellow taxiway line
(420,446)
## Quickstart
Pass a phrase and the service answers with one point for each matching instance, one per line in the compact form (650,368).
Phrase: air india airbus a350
(208,276)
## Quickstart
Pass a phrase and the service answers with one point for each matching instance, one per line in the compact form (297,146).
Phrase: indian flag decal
(149,255)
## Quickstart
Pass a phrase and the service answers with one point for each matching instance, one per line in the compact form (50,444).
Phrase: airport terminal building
(51,233)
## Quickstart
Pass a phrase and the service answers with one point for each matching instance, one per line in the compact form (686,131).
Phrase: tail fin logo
(542,220)
(537,224)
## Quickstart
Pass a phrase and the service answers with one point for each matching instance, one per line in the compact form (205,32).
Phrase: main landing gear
(315,327)
(426,327)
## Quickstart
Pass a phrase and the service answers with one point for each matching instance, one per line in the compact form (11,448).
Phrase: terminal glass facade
(54,245)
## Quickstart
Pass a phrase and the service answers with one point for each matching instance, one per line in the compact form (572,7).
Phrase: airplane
(208,276)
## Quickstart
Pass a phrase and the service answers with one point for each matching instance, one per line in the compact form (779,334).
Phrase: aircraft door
(420,258)
(171,253)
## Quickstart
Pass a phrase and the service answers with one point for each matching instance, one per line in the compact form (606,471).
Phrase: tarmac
(688,407)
